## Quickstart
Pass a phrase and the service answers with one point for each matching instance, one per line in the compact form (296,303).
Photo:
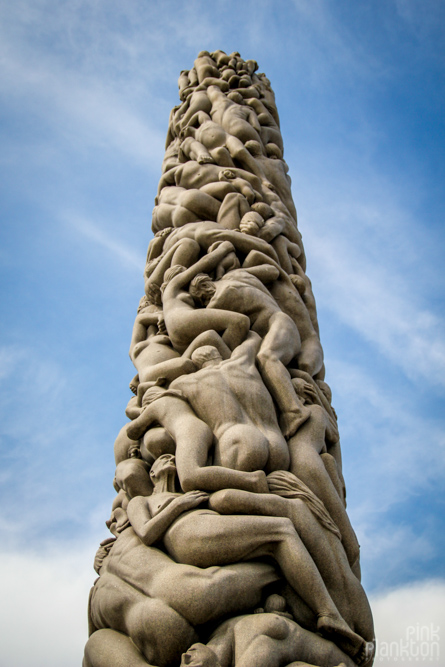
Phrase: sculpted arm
(204,265)
(152,529)
(248,349)
(242,242)
(157,276)
(143,320)
(169,178)
(208,338)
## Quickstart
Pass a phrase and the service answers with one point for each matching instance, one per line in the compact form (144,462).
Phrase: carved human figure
(184,321)
(205,234)
(212,179)
(245,438)
(220,539)
(177,206)
(144,594)
(275,171)
(264,640)
(153,355)
(310,354)
(253,224)
(194,440)
(237,120)
(305,447)
(270,130)
(319,538)
(279,221)
(244,291)
(224,148)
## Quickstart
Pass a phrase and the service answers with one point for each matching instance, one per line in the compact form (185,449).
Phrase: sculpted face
(202,288)
(163,464)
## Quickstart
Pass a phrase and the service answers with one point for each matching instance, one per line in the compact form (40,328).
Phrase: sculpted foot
(337,630)
(291,421)
(205,159)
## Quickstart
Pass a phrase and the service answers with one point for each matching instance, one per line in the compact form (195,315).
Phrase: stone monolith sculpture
(231,544)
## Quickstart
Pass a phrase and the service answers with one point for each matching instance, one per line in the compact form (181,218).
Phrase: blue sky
(86,89)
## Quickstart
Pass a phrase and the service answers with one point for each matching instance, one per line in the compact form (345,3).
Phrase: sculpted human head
(153,293)
(170,274)
(254,148)
(199,655)
(206,355)
(202,288)
(132,477)
(251,223)
(163,465)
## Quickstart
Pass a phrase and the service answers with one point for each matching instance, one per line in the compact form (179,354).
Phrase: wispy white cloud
(368,261)
(79,86)
(128,257)
(51,449)
(394,463)
(391,435)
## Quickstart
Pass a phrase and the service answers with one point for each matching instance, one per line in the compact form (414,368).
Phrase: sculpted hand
(310,391)
(190,500)
(228,247)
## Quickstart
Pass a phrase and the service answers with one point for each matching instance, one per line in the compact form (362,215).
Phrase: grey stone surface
(231,544)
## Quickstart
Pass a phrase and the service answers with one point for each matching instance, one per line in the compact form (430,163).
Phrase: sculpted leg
(211,593)
(279,346)
(221,539)
(307,464)
(323,546)
(310,357)
(185,325)
(232,209)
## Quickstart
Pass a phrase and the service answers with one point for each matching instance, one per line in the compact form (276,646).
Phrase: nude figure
(320,540)
(214,180)
(264,640)
(306,446)
(194,440)
(237,120)
(184,321)
(222,147)
(144,594)
(244,291)
(279,222)
(205,234)
(157,361)
(270,131)
(246,438)
(310,354)
(275,171)
(177,206)
(219,539)
(252,223)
